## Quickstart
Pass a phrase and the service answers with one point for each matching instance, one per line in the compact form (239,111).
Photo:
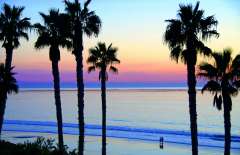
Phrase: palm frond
(219,102)
(208,26)
(185,56)
(185,12)
(101,57)
(92,25)
(204,50)
(223,78)
(211,86)
(207,71)
(72,8)
(226,59)
(23,35)
(184,35)
(215,99)
(55,31)
(43,40)
(195,10)
(8,83)
(176,53)
(113,69)
(13,27)
(92,59)
(87,20)
(91,69)
(218,60)
(87,3)
(236,64)
(173,35)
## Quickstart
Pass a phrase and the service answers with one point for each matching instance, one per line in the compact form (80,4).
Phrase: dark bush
(40,146)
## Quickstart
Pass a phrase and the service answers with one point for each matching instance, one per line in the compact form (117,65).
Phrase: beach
(116,146)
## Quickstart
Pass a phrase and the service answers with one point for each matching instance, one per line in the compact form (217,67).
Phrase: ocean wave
(126,132)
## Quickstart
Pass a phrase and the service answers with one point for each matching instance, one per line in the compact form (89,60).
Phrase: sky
(136,27)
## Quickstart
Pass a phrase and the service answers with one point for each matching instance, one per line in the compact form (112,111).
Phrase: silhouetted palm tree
(8,85)
(102,58)
(222,82)
(12,28)
(183,36)
(83,21)
(54,33)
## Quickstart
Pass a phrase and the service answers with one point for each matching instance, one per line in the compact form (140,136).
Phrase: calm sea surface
(142,115)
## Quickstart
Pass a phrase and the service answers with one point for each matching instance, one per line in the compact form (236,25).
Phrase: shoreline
(147,134)
(115,145)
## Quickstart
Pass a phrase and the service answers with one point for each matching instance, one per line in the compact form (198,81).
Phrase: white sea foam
(211,140)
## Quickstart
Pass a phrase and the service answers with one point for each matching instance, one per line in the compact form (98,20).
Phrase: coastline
(147,134)
(115,145)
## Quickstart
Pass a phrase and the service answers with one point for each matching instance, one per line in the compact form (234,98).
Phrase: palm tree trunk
(227,123)
(78,52)
(8,60)
(192,106)
(3,99)
(103,89)
(56,79)
(80,86)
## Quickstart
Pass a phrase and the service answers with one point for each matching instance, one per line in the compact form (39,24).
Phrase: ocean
(136,119)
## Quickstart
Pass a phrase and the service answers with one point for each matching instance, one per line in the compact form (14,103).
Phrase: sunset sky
(136,27)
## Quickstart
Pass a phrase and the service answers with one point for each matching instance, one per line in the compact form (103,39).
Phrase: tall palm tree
(222,82)
(54,33)
(83,21)
(102,58)
(184,37)
(8,85)
(12,28)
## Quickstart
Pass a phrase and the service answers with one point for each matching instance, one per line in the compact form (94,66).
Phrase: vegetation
(8,85)
(83,21)
(222,76)
(40,146)
(12,28)
(54,33)
(183,36)
(102,58)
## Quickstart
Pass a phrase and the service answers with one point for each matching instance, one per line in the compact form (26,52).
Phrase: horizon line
(110,85)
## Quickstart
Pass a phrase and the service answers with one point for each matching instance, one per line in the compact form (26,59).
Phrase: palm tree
(8,85)
(12,28)
(54,33)
(184,37)
(102,58)
(83,21)
(223,83)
